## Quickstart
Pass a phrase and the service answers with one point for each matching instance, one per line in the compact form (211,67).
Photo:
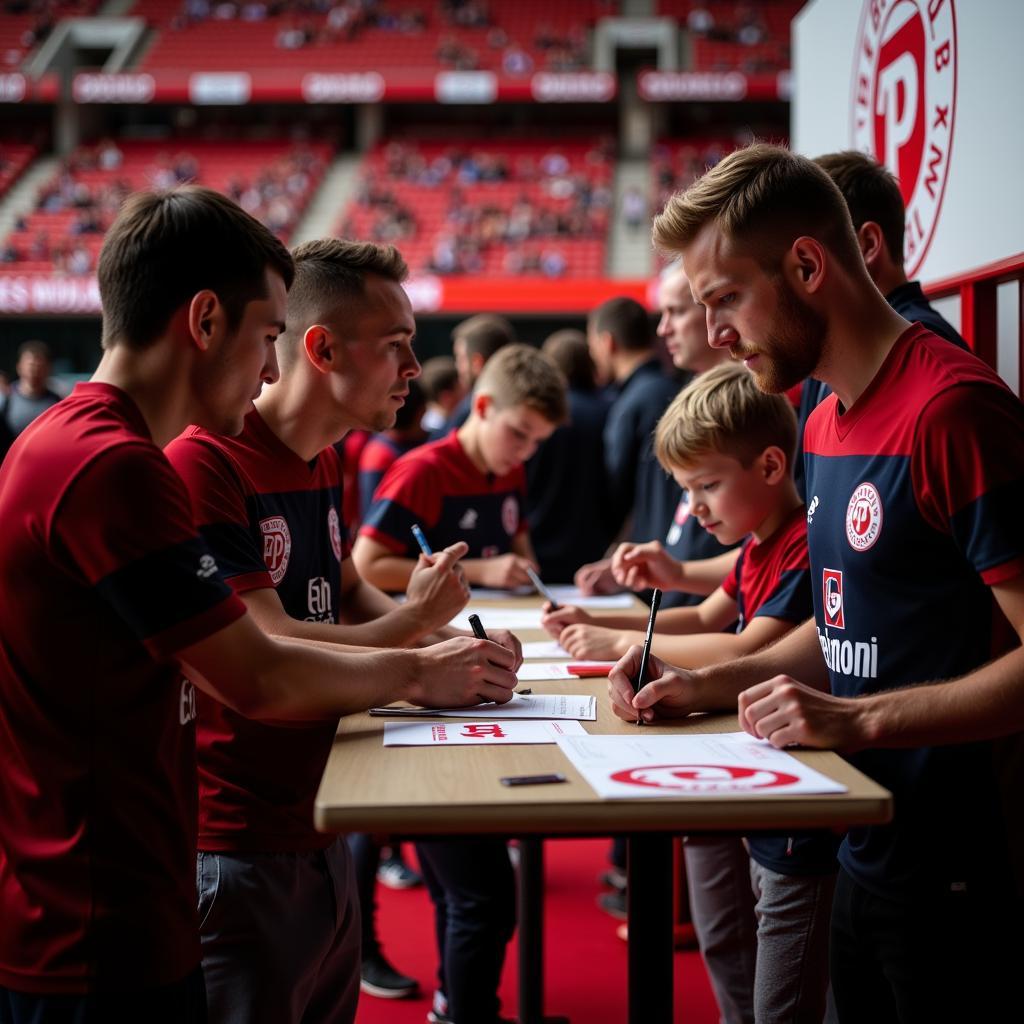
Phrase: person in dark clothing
(567,487)
(30,394)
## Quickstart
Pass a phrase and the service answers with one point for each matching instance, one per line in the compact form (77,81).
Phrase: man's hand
(644,566)
(437,589)
(462,672)
(594,643)
(510,642)
(596,578)
(669,693)
(564,615)
(504,572)
(788,713)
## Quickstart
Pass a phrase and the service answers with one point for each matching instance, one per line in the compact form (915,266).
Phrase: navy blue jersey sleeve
(791,599)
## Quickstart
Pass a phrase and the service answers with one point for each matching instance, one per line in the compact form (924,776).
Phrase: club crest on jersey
(277,546)
(863,517)
(832,598)
(510,515)
(334,531)
(903,105)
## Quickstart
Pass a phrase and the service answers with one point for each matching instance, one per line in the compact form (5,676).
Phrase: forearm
(705,575)
(388,572)
(986,704)
(373,619)
(474,570)
(699,649)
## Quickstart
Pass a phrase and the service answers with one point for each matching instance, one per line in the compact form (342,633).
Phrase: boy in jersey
(97,787)
(267,502)
(470,485)
(915,474)
(730,446)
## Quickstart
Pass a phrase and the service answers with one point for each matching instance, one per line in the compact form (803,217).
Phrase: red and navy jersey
(437,486)
(772,578)
(914,499)
(376,458)
(272,520)
(104,579)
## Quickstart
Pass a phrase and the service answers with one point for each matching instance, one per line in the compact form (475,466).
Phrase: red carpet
(585,963)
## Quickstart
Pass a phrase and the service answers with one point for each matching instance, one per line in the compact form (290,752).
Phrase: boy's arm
(379,566)
(640,566)
(711,648)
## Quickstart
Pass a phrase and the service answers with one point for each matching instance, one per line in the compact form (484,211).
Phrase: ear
(316,343)
(805,265)
(481,403)
(476,363)
(872,243)
(773,464)
(205,318)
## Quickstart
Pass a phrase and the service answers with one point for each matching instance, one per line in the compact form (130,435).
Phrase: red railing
(977,290)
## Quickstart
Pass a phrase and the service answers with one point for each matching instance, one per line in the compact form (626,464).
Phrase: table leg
(649,904)
(531,933)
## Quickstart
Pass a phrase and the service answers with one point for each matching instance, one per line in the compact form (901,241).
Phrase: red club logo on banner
(703,778)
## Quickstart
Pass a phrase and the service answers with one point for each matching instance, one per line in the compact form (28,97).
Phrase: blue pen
(421,539)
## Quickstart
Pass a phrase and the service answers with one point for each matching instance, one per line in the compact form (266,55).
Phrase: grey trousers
(280,936)
(722,907)
(793,913)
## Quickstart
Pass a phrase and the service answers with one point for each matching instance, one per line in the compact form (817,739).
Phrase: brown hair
(484,334)
(871,193)
(626,321)
(762,198)
(165,247)
(724,411)
(520,375)
(568,350)
(438,375)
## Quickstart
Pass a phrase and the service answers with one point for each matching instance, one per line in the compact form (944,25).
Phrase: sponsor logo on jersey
(903,105)
(832,598)
(187,703)
(207,567)
(468,520)
(334,531)
(863,517)
(849,658)
(812,508)
(510,515)
(277,546)
(318,600)
(703,778)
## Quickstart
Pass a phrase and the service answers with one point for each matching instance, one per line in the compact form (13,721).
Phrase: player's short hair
(521,375)
(568,350)
(165,247)
(437,376)
(626,321)
(484,334)
(871,193)
(762,198)
(724,411)
(330,282)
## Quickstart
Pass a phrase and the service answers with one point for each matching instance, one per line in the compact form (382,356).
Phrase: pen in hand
(641,675)
(478,627)
(421,540)
(538,585)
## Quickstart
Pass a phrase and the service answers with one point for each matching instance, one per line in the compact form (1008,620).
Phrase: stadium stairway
(20,199)
(336,190)
(629,251)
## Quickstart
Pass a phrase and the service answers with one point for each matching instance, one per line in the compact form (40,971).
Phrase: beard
(792,346)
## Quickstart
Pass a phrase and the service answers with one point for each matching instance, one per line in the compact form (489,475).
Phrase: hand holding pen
(641,674)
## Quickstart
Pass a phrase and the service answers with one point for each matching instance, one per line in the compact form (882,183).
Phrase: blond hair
(520,375)
(762,198)
(724,411)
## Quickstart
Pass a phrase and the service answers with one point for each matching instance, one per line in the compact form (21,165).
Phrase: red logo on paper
(334,531)
(703,778)
(832,598)
(483,731)
(277,546)
(863,517)
(904,99)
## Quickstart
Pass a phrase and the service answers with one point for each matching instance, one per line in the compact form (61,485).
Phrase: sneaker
(378,978)
(396,874)
(614,878)
(438,1012)
(613,903)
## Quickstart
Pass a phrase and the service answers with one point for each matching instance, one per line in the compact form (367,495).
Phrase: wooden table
(428,791)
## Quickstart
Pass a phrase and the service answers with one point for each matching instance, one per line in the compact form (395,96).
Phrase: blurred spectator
(30,393)
(443,390)
(634,208)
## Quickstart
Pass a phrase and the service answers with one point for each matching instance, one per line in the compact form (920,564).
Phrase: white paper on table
(712,765)
(498,618)
(494,594)
(537,705)
(535,671)
(482,734)
(544,650)
(565,594)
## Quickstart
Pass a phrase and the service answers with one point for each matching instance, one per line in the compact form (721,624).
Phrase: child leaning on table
(730,445)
